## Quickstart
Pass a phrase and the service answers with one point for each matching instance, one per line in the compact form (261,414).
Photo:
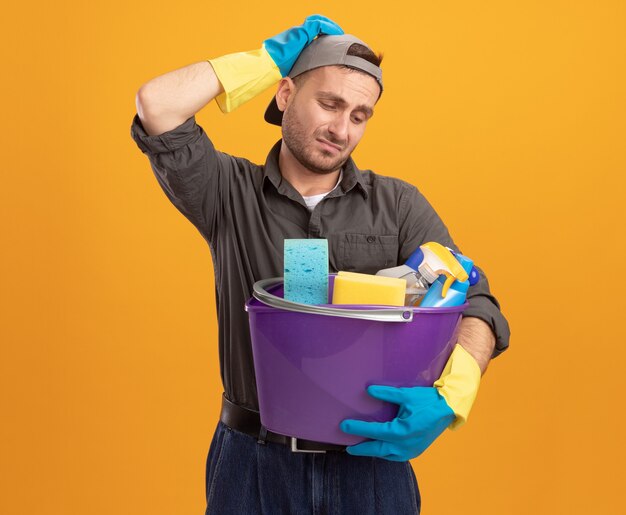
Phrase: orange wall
(509,116)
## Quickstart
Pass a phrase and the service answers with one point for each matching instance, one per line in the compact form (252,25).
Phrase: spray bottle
(455,295)
(430,261)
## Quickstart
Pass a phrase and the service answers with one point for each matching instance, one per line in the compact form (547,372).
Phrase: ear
(286,89)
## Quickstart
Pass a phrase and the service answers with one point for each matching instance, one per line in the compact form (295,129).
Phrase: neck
(305,181)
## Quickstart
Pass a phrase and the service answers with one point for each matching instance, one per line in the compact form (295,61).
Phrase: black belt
(249,422)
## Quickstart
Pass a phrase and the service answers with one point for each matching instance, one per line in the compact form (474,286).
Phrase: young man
(309,187)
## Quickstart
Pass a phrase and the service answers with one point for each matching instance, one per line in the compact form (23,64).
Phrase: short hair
(365,53)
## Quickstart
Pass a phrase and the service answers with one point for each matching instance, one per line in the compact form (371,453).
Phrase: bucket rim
(257,305)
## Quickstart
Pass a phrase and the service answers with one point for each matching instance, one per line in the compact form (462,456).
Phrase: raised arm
(166,101)
(193,174)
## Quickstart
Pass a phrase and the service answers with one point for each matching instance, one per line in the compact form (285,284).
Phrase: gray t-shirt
(245,212)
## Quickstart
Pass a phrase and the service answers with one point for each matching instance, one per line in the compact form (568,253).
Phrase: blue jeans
(244,477)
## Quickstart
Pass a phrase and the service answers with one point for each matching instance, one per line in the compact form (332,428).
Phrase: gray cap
(326,50)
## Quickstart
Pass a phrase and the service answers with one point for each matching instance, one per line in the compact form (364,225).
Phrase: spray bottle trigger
(449,280)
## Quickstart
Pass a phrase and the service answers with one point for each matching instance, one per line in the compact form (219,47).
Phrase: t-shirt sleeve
(191,172)
(419,223)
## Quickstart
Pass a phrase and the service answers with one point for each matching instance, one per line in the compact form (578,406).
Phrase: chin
(329,158)
(318,166)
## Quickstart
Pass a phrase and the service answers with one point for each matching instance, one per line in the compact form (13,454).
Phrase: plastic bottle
(456,293)
(424,267)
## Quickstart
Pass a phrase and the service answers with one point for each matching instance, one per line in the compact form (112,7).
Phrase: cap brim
(273,114)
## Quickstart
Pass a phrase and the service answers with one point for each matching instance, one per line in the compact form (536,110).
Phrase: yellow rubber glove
(244,75)
(458,384)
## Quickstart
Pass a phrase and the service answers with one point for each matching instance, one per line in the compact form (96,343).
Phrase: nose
(338,127)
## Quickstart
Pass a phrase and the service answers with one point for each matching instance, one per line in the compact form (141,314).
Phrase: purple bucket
(312,369)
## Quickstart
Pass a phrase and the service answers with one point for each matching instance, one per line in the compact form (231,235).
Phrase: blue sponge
(306,271)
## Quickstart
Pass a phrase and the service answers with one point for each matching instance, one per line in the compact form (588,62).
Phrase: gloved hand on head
(244,75)
(424,413)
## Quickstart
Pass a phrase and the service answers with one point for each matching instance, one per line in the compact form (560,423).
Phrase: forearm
(477,338)
(166,101)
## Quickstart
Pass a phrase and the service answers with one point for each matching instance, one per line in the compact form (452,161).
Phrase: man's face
(326,116)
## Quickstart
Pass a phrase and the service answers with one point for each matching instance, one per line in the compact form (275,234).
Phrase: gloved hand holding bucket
(424,412)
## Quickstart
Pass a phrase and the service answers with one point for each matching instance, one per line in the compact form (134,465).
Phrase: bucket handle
(399,314)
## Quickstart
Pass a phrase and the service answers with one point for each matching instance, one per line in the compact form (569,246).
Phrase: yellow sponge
(353,288)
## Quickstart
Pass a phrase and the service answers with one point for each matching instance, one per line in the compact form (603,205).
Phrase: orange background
(509,116)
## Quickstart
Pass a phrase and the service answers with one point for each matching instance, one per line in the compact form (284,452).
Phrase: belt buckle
(294,447)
